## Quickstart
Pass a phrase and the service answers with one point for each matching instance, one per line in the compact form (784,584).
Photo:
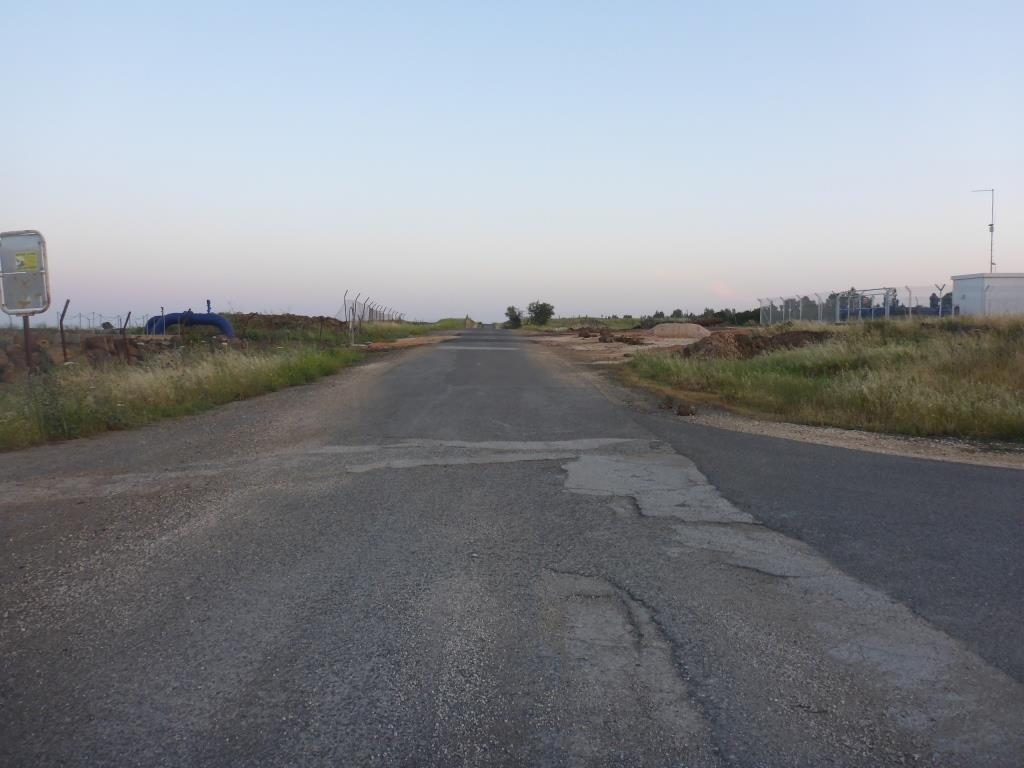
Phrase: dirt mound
(681,331)
(732,345)
(718,346)
(256,321)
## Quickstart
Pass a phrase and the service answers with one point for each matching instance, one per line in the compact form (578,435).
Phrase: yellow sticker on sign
(26,261)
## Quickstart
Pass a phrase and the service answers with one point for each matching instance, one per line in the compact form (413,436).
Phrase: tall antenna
(991,230)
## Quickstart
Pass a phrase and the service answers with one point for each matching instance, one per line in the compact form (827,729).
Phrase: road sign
(24,277)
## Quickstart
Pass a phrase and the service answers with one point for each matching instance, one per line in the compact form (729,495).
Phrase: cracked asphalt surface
(479,554)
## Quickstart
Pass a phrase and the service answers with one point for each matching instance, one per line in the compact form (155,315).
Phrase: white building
(989,293)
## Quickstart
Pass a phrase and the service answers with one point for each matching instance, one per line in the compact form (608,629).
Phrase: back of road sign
(24,277)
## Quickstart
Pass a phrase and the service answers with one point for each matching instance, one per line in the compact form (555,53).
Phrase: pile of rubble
(607,336)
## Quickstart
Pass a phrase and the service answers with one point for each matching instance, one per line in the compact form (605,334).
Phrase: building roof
(988,275)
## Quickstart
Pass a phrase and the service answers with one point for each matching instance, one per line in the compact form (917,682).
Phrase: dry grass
(953,377)
(77,402)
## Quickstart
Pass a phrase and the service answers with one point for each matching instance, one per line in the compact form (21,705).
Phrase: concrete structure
(989,293)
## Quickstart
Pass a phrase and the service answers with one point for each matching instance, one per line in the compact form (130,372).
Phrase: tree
(677,313)
(659,315)
(540,312)
(515,317)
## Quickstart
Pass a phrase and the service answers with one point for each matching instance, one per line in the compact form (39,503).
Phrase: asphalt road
(478,554)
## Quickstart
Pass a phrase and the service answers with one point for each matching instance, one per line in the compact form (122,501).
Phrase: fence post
(28,343)
(63,341)
(124,337)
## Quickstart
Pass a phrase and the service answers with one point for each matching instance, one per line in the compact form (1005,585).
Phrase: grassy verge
(957,377)
(394,331)
(83,401)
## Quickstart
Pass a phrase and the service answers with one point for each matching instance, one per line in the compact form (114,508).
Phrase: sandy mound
(681,331)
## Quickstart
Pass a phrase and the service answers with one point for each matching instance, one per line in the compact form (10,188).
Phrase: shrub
(515,317)
(540,312)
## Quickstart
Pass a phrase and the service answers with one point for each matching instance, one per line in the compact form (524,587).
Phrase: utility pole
(991,230)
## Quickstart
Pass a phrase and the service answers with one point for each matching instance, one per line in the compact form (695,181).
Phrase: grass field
(956,377)
(81,401)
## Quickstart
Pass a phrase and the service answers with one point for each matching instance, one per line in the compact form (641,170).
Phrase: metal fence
(855,304)
(83,321)
(368,310)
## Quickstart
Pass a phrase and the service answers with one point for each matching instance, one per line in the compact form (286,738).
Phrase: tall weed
(78,402)
(951,377)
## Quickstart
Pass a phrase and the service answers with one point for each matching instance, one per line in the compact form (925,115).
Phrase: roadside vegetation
(81,401)
(198,372)
(537,314)
(709,318)
(956,377)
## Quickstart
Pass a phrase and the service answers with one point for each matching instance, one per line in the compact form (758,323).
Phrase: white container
(989,293)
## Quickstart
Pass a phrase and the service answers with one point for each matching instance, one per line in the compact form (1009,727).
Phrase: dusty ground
(412,341)
(596,352)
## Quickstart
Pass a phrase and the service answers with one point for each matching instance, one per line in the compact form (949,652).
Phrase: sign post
(24,279)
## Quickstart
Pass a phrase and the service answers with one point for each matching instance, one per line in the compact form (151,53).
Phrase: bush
(515,317)
(540,312)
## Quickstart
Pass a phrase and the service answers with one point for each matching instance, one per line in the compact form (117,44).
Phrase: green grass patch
(77,402)
(949,378)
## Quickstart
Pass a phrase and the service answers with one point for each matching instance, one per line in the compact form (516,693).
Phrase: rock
(681,331)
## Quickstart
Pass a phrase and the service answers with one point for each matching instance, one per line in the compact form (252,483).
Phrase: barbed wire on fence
(359,310)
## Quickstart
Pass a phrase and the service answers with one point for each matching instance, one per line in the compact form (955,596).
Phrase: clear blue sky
(453,158)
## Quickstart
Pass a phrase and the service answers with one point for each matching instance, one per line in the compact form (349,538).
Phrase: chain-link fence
(855,304)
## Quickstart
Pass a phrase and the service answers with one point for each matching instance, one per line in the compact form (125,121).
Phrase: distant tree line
(709,316)
(537,313)
(541,312)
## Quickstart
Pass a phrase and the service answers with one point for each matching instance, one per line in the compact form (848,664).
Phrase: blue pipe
(157,325)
